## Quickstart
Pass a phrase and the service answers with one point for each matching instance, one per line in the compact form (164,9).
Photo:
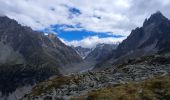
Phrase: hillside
(28,57)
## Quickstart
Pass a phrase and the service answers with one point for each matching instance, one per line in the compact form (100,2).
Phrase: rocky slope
(27,56)
(157,88)
(75,85)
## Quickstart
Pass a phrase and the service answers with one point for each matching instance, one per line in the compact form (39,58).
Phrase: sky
(84,22)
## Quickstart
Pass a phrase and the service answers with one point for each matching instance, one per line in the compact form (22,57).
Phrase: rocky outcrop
(66,87)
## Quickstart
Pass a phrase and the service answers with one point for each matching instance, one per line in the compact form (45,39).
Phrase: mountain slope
(152,37)
(154,34)
(100,53)
(75,85)
(27,56)
(83,52)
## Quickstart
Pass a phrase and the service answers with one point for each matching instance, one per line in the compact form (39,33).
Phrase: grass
(55,82)
(154,89)
(49,85)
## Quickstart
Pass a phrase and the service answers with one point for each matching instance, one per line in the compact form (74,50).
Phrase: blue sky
(70,35)
(75,35)
(79,35)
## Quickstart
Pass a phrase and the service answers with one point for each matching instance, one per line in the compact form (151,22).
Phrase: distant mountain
(101,52)
(152,37)
(83,52)
(94,56)
(27,56)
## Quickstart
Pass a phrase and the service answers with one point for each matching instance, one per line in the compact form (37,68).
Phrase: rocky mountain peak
(152,37)
(4,20)
(155,18)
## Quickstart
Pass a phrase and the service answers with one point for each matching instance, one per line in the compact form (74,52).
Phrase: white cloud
(117,16)
(92,41)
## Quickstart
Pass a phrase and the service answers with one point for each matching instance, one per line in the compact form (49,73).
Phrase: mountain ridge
(151,38)
(28,57)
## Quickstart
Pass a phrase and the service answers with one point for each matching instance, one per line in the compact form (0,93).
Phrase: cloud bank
(117,17)
(92,41)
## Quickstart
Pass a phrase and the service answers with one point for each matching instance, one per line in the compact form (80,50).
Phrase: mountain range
(30,59)
(143,55)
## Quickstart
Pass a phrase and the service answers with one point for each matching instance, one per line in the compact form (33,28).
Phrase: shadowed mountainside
(152,37)
(27,56)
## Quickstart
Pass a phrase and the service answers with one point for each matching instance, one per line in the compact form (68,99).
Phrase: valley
(35,66)
(129,63)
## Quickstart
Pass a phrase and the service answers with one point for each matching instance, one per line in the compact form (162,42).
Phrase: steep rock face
(27,56)
(154,34)
(152,37)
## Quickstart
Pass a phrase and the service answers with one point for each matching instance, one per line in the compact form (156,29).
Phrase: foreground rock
(66,87)
(157,88)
